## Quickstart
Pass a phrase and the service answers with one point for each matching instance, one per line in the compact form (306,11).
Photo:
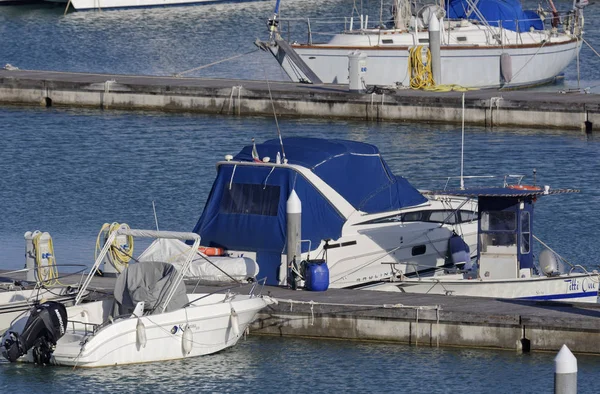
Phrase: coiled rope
(47,272)
(420,71)
(421,76)
(118,255)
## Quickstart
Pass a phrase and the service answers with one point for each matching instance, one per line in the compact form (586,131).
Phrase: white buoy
(565,372)
(434,48)
(140,334)
(187,340)
(294,230)
(235,323)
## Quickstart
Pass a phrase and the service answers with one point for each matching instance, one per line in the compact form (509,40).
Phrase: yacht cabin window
(250,199)
(498,228)
(525,232)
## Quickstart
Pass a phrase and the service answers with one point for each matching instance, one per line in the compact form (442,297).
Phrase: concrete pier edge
(488,108)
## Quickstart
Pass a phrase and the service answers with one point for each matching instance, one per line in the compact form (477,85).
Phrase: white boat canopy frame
(124,230)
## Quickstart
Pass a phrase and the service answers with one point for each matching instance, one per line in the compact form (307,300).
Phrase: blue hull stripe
(561,296)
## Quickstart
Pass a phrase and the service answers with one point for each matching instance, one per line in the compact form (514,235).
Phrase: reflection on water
(70,171)
(165,41)
(275,365)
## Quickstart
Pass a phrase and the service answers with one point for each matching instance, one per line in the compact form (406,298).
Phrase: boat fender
(140,338)
(506,67)
(235,324)
(187,340)
(458,250)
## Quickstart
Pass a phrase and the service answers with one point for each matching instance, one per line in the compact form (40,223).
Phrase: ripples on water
(67,171)
(277,365)
(164,41)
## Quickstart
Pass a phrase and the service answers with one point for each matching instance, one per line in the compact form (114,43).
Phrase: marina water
(68,171)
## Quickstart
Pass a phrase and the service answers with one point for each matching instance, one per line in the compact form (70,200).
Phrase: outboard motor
(46,325)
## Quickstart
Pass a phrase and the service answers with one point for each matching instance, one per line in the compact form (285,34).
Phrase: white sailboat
(505,266)
(473,44)
(151,319)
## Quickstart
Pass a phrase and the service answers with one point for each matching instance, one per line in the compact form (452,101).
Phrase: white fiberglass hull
(469,67)
(215,322)
(572,288)
(470,56)
(82,5)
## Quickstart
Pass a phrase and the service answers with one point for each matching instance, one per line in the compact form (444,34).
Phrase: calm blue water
(68,171)
(276,365)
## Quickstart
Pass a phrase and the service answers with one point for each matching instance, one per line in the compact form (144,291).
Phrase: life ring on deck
(525,187)
(210,251)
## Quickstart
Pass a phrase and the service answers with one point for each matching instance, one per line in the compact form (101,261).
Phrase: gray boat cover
(149,282)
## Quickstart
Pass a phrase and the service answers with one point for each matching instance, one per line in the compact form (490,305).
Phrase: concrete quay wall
(237,97)
(430,327)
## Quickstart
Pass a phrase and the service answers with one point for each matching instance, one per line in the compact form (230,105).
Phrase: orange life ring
(210,251)
(525,187)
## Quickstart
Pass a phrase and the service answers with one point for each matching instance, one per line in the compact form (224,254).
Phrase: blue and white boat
(369,221)
(505,266)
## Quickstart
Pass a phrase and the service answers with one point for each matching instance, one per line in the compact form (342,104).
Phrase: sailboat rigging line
(591,47)
(462,146)
(180,74)
(283,159)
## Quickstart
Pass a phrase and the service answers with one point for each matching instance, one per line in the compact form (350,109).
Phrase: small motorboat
(152,318)
(17,298)
(505,267)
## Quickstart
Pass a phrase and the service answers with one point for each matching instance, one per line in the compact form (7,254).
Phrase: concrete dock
(532,109)
(416,319)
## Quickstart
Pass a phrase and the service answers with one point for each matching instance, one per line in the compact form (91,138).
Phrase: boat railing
(506,179)
(360,23)
(88,328)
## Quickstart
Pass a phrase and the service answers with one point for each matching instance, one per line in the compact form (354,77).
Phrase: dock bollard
(565,372)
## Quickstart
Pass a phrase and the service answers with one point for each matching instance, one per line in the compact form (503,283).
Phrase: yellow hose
(421,76)
(118,255)
(47,272)
(420,72)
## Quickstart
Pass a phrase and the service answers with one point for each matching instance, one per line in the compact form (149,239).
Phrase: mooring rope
(178,75)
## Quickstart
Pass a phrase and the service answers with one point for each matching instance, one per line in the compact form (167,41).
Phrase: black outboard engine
(46,324)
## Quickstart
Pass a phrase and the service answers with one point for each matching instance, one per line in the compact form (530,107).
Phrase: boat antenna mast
(273,22)
(283,158)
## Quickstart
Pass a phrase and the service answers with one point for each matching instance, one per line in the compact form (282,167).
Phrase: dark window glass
(434,216)
(525,232)
(417,216)
(467,216)
(418,250)
(250,199)
(498,221)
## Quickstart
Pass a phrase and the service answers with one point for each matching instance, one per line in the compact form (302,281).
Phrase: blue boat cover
(246,208)
(493,11)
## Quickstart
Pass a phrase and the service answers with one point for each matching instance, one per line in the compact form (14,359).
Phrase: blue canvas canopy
(493,11)
(246,208)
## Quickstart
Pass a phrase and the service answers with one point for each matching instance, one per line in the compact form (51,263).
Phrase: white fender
(140,337)
(235,324)
(187,340)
